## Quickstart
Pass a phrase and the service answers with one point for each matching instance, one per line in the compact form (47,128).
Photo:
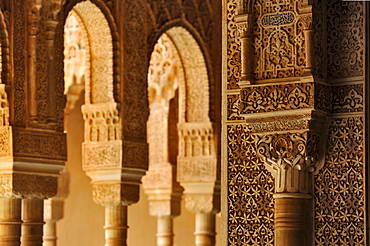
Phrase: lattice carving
(340,186)
(135,63)
(196,76)
(19,70)
(101,49)
(348,98)
(250,190)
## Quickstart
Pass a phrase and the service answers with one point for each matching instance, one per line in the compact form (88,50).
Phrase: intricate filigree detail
(115,194)
(348,98)
(340,186)
(103,155)
(250,190)
(346,37)
(269,98)
(40,145)
(279,49)
(291,158)
(233,47)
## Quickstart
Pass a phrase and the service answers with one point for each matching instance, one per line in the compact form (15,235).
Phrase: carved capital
(244,24)
(197,160)
(115,194)
(292,158)
(201,203)
(306,20)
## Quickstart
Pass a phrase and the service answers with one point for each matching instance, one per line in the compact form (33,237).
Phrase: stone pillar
(205,229)
(27,173)
(10,221)
(246,38)
(115,182)
(53,211)
(292,146)
(33,222)
(197,173)
(292,219)
(283,115)
(115,225)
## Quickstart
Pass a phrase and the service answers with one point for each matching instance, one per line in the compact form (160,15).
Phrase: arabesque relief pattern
(250,190)
(250,185)
(279,39)
(340,186)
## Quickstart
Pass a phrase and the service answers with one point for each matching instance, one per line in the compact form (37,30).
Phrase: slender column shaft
(164,231)
(310,50)
(292,221)
(116,226)
(50,233)
(205,229)
(33,222)
(10,222)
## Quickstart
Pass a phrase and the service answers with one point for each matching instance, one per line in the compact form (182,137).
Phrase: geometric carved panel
(250,190)
(278,39)
(340,186)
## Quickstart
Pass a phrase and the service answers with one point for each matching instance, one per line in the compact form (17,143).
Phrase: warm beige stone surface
(79,206)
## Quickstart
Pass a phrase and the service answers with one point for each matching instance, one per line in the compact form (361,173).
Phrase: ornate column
(282,111)
(290,139)
(115,185)
(22,178)
(197,173)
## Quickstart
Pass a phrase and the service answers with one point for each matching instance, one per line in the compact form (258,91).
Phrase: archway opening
(178,93)
(88,77)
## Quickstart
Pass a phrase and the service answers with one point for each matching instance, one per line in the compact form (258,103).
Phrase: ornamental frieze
(276,97)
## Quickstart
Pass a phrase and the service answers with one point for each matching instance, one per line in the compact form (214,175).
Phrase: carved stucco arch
(101,12)
(4,42)
(100,88)
(197,91)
